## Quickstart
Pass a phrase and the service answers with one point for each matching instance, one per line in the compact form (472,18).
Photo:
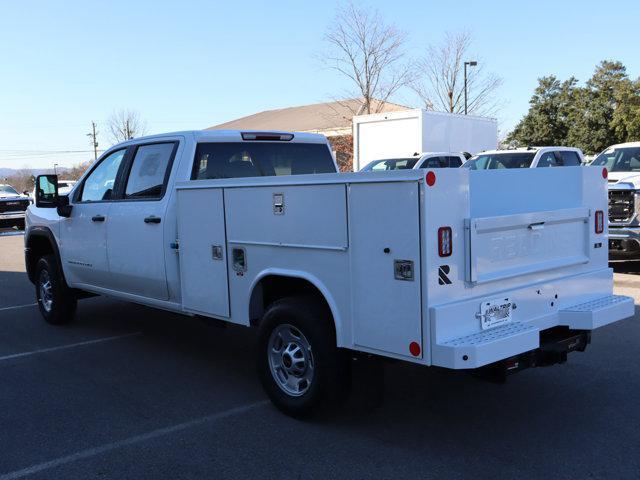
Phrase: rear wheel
(300,366)
(56,301)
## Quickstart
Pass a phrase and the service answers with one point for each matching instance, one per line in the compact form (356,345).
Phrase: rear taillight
(445,246)
(599,221)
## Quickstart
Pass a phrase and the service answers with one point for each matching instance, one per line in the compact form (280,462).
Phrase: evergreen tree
(603,112)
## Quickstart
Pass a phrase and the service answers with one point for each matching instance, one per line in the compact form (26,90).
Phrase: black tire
(57,302)
(331,377)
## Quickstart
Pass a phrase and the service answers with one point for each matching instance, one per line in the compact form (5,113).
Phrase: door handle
(97,218)
(536,226)
(152,219)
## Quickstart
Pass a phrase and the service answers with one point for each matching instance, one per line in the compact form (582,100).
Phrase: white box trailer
(404,133)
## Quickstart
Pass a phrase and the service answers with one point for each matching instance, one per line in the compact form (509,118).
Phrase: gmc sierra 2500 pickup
(502,269)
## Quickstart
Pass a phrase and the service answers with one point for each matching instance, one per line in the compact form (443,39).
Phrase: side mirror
(25,192)
(47,191)
(63,208)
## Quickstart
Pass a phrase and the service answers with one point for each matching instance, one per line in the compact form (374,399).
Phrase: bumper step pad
(597,313)
(473,351)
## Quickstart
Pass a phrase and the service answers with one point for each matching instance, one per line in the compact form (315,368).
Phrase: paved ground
(133,393)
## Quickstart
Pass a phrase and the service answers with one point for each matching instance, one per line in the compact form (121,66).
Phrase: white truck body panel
(403,133)
(374,312)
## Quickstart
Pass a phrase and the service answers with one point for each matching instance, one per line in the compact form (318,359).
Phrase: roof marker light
(267,136)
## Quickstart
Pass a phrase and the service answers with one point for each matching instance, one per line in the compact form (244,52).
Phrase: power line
(47,151)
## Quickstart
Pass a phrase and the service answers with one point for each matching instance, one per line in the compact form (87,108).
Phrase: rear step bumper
(597,313)
(500,343)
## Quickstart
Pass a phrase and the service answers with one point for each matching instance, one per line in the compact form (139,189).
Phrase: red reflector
(444,241)
(599,221)
(605,173)
(431,179)
(414,348)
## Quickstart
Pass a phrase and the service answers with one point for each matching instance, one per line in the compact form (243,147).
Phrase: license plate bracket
(495,312)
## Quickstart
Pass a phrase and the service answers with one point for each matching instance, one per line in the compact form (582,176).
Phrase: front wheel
(57,303)
(300,366)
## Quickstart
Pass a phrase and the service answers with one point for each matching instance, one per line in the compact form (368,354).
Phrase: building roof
(307,118)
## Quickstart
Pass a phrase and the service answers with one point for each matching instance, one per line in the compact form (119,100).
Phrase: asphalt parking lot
(130,392)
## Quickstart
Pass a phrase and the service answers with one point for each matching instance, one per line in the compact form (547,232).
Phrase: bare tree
(369,53)
(21,180)
(125,124)
(440,83)
(75,172)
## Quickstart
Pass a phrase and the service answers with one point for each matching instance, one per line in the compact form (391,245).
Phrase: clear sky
(193,64)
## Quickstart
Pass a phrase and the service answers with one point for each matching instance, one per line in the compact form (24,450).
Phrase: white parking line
(92,452)
(70,345)
(18,306)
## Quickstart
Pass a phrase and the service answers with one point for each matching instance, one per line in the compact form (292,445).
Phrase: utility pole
(94,139)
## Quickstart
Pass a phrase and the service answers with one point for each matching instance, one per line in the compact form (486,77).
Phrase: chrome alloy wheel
(291,360)
(46,291)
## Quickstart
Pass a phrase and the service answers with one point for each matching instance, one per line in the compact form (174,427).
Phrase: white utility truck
(446,267)
(623,163)
(404,133)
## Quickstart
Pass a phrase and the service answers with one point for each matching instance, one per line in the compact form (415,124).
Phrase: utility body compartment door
(203,252)
(384,232)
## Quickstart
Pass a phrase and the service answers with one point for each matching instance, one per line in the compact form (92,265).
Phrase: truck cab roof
(231,135)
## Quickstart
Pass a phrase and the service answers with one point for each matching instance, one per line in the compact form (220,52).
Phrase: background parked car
(12,206)
(424,160)
(530,157)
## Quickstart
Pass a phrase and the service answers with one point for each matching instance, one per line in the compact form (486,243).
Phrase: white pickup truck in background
(623,163)
(529,157)
(422,160)
(445,267)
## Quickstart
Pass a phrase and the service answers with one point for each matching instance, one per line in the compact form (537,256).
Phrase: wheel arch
(39,242)
(272,284)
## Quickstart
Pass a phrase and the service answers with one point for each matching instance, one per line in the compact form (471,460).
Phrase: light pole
(55,171)
(471,63)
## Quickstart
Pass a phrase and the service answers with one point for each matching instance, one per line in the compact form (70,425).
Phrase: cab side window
(100,183)
(570,159)
(149,169)
(547,159)
(433,162)
(454,162)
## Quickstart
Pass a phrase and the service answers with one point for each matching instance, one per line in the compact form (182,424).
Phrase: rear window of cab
(260,159)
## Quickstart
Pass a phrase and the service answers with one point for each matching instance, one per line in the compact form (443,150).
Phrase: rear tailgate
(508,246)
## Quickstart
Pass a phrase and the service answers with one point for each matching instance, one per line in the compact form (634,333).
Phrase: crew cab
(530,157)
(424,160)
(445,267)
(13,205)
(623,164)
